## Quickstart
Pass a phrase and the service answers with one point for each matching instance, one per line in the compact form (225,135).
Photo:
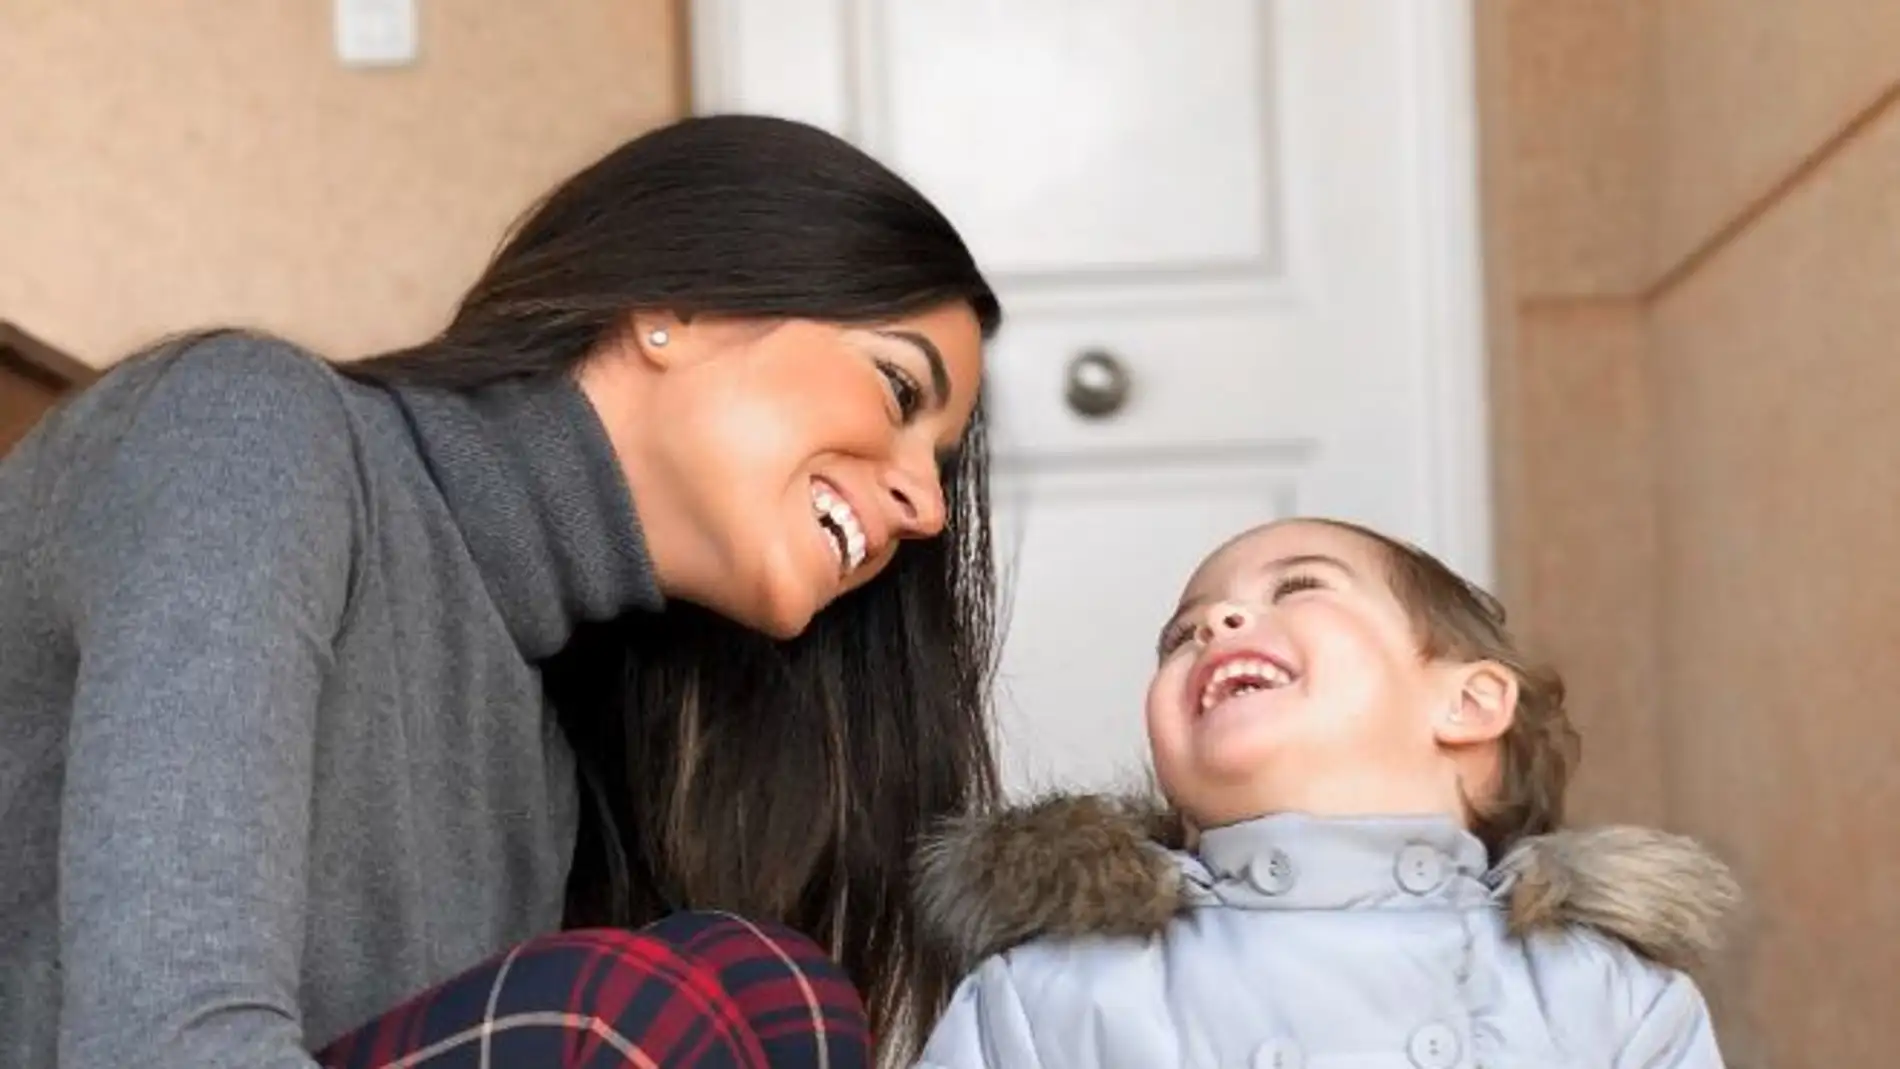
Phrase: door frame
(1442,119)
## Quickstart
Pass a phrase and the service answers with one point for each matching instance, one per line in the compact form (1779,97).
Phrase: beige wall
(172,163)
(1567,178)
(1695,215)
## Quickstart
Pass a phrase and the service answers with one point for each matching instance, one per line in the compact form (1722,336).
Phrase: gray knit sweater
(273,750)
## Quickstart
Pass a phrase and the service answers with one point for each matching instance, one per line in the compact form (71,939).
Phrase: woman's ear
(1482,704)
(659,340)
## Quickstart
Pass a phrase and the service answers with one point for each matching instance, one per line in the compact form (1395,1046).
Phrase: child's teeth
(1261,673)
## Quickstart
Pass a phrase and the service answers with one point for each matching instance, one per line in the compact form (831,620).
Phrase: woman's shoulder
(235,395)
(228,371)
(217,415)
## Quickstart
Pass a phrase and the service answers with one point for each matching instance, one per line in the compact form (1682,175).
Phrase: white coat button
(1271,875)
(1277,1054)
(1420,869)
(1434,1046)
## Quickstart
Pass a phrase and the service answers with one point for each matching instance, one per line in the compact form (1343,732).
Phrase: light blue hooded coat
(1292,942)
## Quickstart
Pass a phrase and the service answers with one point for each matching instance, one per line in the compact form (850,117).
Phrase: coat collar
(1293,861)
(1071,866)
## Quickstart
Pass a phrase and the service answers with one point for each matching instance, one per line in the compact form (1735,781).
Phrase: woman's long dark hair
(790,780)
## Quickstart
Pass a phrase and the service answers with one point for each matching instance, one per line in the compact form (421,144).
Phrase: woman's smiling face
(800,454)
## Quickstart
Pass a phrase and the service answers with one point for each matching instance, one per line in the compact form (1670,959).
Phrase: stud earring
(658,337)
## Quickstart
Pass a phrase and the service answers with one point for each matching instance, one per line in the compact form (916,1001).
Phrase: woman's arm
(205,571)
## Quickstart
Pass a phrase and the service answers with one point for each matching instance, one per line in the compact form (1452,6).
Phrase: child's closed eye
(1295,583)
(1173,636)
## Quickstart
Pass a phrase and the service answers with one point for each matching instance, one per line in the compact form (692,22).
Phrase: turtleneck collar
(533,483)
(1293,861)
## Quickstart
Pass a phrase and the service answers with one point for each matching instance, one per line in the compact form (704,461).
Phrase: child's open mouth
(1242,676)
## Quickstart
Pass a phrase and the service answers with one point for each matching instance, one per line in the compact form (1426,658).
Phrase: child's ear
(1481,705)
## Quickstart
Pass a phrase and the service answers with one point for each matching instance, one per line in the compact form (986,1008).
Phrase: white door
(1236,246)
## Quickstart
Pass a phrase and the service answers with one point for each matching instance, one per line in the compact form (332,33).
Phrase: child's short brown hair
(1458,621)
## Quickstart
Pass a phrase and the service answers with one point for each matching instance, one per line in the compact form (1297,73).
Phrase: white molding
(822,43)
(709,40)
(1451,283)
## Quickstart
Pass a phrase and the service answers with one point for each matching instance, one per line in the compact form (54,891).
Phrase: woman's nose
(918,497)
(1224,618)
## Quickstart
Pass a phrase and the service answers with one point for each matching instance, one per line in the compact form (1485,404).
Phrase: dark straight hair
(788,781)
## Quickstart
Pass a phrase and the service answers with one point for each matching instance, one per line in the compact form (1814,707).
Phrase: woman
(321,686)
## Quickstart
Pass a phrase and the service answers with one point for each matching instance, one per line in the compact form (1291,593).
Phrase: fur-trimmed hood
(1100,865)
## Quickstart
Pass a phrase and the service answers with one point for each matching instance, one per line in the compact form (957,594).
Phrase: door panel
(1111,136)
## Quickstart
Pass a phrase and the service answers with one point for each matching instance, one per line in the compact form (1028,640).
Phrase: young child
(1359,861)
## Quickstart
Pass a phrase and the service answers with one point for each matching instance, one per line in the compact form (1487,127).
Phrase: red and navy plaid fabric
(699,990)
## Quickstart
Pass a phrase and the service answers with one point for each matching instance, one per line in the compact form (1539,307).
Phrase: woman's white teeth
(1235,678)
(847,534)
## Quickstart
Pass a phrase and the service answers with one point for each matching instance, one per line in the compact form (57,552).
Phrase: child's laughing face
(1291,680)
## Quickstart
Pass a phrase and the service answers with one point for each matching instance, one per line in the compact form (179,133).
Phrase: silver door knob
(1098,384)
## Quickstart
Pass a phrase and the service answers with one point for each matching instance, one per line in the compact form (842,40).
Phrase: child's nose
(1225,620)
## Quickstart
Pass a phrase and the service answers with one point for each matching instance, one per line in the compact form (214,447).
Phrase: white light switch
(376,33)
